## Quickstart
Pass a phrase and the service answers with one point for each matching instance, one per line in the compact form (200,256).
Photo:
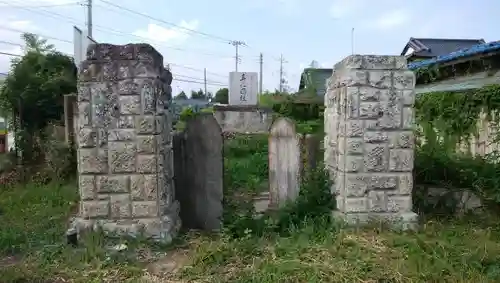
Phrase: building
(464,69)
(424,52)
(427,48)
(314,79)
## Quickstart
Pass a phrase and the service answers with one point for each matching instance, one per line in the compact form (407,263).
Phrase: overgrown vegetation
(454,116)
(446,122)
(299,242)
(32,95)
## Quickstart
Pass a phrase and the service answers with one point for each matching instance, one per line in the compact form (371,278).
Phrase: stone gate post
(369,143)
(125,158)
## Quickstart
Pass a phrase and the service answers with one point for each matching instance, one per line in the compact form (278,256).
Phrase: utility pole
(236,44)
(205,80)
(261,63)
(352,41)
(89,18)
(282,61)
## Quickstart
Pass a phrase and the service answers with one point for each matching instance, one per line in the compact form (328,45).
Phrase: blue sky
(300,30)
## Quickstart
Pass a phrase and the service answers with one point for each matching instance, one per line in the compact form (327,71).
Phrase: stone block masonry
(369,141)
(125,157)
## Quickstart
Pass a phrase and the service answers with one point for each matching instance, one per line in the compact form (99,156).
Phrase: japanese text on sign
(243,88)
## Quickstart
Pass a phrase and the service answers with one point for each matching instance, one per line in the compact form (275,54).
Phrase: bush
(186,114)
(436,166)
(299,111)
(313,205)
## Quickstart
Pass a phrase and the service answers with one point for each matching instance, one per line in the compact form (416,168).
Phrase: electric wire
(188,30)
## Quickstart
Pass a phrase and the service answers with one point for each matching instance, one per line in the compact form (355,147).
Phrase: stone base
(243,119)
(399,221)
(163,229)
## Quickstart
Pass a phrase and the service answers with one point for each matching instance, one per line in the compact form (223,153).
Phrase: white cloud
(156,33)
(392,19)
(345,8)
(290,7)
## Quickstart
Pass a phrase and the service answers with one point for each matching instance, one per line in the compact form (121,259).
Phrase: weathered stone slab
(199,173)
(284,162)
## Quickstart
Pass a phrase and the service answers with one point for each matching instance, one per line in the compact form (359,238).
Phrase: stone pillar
(369,119)
(125,157)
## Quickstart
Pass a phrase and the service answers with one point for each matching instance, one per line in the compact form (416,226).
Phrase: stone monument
(369,142)
(125,158)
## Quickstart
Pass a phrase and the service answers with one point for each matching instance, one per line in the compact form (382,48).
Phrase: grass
(33,223)
(33,220)
(452,252)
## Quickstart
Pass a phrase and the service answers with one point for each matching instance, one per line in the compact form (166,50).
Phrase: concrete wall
(473,81)
(125,158)
(369,121)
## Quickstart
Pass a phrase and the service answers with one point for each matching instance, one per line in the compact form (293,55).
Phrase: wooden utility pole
(261,63)
(205,80)
(236,44)
(282,79)
(89,18)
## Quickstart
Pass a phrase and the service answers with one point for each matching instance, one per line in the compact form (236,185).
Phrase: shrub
(313,205)
(186,114)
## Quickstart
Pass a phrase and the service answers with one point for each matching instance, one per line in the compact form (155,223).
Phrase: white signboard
(81,41)
(243,88)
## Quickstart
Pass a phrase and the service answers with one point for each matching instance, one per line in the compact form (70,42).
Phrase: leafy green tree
(35,87)
(222,96)
(36,44)
(198,94)
(181,96)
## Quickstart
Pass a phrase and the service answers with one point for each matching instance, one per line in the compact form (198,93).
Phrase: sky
(194,35)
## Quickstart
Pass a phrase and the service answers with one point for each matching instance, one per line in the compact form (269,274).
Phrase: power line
(38,34)
(40,6)
(115,32)
(167,23)
(11,43)
(195,82)
(197,69)
(10,54)
(178,65)
(194,78)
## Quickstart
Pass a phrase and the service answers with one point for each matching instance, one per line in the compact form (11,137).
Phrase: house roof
(319,76)
(457,54)
(433,47)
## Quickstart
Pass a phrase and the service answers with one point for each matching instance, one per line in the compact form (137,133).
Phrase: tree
(222,96)
(35,87)
(36,44)
(181,95)
(198,94)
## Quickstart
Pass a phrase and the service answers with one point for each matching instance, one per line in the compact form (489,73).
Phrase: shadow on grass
(33,245)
